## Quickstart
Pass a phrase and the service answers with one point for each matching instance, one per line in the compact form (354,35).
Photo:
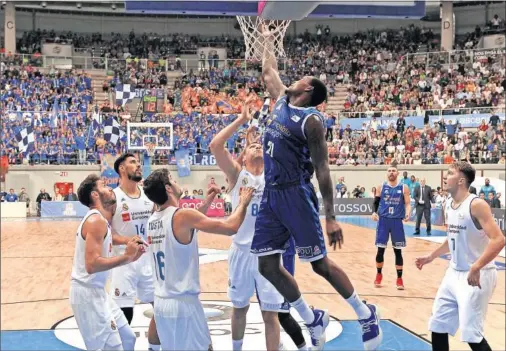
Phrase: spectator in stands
(43,196)
(71,196)
(340,184)
(11,196)
(23,197)
(492,201)
(487,188)
(342,193)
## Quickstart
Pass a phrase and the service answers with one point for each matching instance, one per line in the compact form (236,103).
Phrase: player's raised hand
(473,277)
(422,261)
(212,192)
(334,233)
(246,195)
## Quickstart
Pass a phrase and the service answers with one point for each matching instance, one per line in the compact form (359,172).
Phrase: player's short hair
(119,161)
(393,165)
(154,186)
(466,169)
(88,185)
(319,94)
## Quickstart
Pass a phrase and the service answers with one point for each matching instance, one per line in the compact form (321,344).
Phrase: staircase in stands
(97,80)
(336,103)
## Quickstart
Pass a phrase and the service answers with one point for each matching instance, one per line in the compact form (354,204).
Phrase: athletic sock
(237,345)
(399,273)
(303,348)
(378,270)
(153,347)
(362,311)
(303,309)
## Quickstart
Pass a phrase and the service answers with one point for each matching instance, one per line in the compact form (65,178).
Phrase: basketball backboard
(299,9)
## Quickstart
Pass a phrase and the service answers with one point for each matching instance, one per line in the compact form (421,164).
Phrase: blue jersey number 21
(159,258)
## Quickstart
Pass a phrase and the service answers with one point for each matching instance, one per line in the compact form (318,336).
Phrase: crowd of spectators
(59,105)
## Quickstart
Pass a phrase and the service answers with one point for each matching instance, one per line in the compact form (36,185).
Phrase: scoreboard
(154,103)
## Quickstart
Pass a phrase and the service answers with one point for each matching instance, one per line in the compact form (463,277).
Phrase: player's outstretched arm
(481,211)
(211,194)
(317,144)
(185,220)
(224,159)
(270,74)
(93,232)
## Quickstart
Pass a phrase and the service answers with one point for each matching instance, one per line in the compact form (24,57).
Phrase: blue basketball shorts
(390,227)
(291,212)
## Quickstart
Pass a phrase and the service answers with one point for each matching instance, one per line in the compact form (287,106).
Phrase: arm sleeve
(376,204)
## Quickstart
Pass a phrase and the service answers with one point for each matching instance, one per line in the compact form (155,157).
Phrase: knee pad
(129,313)
(380,255)
(398,257)
(128,337)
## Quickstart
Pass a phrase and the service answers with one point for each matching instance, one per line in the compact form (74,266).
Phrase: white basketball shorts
(133,280)
(97,316)
(244,278)
(181,323)
(459,305)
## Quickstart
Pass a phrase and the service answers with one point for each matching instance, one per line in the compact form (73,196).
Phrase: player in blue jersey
(391,207)
(294,148)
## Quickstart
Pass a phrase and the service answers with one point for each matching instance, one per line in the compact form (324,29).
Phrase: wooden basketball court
(37,259)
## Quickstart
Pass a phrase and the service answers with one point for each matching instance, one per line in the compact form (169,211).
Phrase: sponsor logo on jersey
(124,206)
(116,292)
(125,217)
(218,315)
(295,118)
(244,181)
(316,251)
(113,325)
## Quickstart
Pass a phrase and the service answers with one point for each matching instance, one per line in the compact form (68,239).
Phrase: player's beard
(134,177)
(107,201)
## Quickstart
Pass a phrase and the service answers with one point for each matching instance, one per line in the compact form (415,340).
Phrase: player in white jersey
(101,323)
(133,209)
(474,241)
(244,277)
(180,318)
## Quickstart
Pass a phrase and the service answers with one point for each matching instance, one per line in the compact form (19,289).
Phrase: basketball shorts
(393,228)
(459,305)
(244,279)
(289,212)
(97,316)
(181,323)
(134,280)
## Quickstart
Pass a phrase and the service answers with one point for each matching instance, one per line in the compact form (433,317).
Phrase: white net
(251,27)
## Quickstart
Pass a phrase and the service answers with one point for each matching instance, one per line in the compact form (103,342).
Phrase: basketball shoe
(377,281)
(317,329)
(400,284)
(371,330)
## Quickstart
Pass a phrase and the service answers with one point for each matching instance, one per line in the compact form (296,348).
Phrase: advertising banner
(350,207)
(62,209)
(364,207)
(217,208)
(466,121)
(107,172)
(499,216)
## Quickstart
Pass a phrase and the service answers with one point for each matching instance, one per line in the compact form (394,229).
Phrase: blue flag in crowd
(183,162)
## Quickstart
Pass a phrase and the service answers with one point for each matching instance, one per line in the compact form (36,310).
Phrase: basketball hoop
(150,148)
(254,39)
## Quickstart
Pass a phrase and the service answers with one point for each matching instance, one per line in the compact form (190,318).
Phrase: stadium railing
(414,113)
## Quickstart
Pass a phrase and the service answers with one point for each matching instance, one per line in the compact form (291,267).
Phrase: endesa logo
(216,209)
(125,217)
